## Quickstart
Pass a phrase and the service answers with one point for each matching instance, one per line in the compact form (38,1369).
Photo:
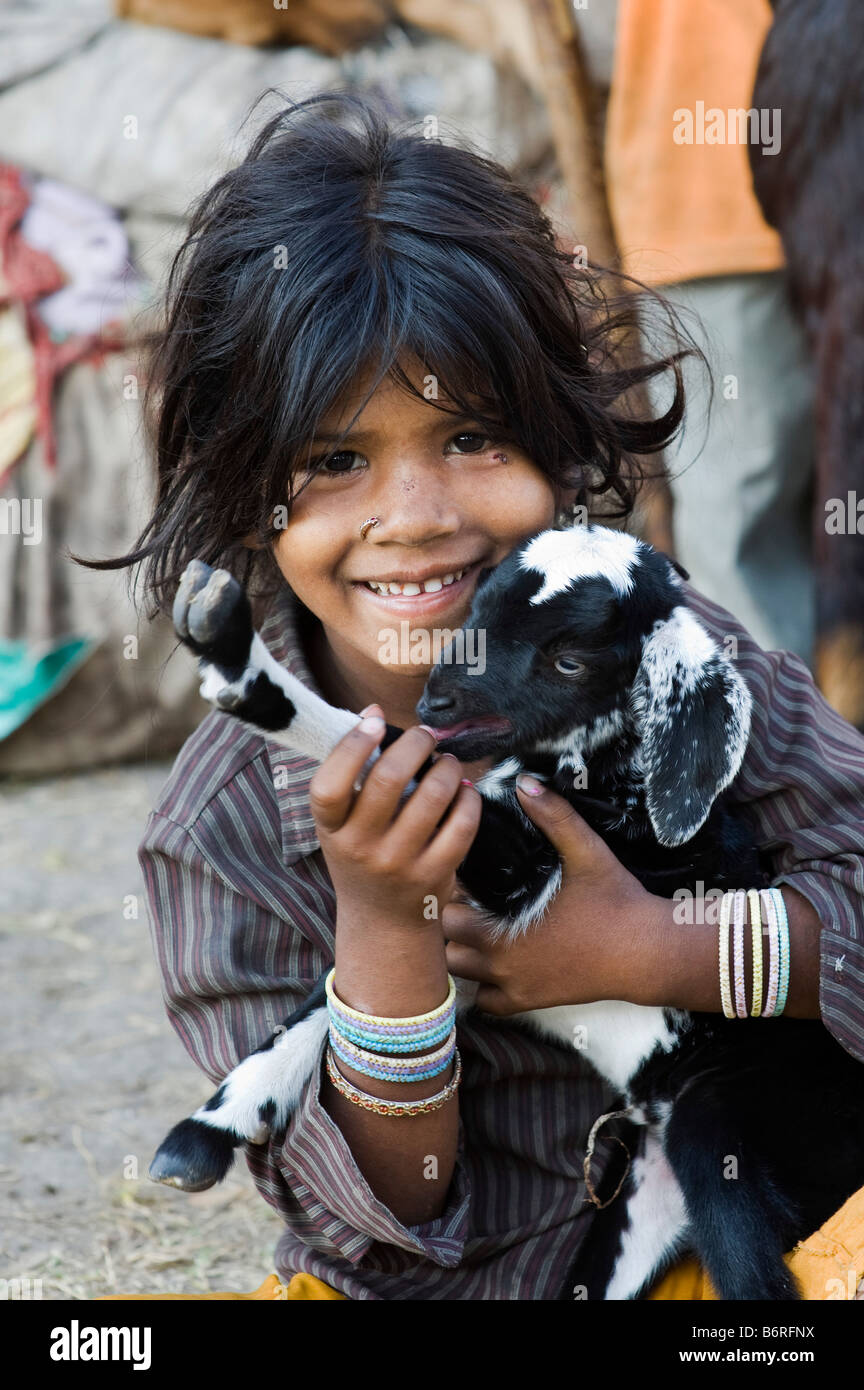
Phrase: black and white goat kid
(600,679)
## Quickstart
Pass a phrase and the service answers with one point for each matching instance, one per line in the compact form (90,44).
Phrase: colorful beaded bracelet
(783,941)
(725,985)
(395,1068)
(375,1021)
(767,917)
(739,907)
(756,940)
(392,1107)
(394,1043)
(407,1064)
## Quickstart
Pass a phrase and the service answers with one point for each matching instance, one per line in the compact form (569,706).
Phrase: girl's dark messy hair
(343,243)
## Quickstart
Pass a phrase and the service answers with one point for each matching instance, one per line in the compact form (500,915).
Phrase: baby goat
(600,680)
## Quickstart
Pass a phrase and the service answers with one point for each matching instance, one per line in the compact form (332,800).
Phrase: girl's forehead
(388,399)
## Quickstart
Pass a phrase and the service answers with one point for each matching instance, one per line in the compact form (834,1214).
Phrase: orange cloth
(682,211)
(303,1287)
(828,1266)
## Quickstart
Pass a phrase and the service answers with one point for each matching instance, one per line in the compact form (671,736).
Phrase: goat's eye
(569,666)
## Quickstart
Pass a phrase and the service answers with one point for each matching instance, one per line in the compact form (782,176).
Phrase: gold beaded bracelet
(392,1107)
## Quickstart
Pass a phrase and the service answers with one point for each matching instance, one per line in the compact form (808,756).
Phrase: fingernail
(373,705)
(428,730)
(466,782)
(373,724)
(528,785)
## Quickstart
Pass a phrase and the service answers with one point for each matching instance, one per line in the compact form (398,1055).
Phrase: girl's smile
(426,596)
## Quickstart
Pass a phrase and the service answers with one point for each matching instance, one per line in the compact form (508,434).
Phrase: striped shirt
(243,911)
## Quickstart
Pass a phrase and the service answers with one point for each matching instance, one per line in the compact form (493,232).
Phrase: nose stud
(370,521)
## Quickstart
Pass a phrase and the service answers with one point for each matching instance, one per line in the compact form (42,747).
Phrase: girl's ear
(693,712)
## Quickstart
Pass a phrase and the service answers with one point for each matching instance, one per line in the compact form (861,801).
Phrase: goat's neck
(597,767)
(607,742)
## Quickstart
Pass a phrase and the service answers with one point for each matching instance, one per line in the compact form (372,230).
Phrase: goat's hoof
(212,616)
(193,1156)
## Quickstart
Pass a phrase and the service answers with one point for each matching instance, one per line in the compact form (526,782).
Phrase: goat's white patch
(497,783)
(316,727)
(616,1037)
(678,647)
(531,915)
(658,1221)
(582,552)
(278,1075)
(576,745)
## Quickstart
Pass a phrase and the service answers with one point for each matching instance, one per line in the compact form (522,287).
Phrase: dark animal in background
(600,679)
(812,191)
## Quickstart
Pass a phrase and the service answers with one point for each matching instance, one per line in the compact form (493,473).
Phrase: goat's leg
(213,618)
(255,1101)
(737,1215)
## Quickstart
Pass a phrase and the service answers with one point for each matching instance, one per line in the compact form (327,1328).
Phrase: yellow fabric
(682,211)
(303,1287)
(828,1266)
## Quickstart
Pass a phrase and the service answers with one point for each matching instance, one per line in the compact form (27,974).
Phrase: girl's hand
(596,940)
(392,865)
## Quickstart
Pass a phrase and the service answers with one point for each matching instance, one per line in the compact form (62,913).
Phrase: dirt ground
(91,1073)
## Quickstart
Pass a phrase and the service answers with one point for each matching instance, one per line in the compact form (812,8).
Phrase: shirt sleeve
(803,779)
(223,998)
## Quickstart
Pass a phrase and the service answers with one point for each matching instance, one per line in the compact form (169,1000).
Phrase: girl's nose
(414,518)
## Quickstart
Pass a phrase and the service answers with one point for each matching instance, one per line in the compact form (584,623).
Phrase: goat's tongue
(492,721)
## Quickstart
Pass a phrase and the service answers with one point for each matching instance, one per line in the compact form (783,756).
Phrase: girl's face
(449,499)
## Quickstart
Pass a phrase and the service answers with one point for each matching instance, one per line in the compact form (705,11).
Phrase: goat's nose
(438,702)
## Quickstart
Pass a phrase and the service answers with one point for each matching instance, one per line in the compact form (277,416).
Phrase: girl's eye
(481,439)
(329,471)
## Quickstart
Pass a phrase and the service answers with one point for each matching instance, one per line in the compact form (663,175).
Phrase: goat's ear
(679,569)
(693,711)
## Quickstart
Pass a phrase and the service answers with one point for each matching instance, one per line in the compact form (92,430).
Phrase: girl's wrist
(382,969)
(678,960)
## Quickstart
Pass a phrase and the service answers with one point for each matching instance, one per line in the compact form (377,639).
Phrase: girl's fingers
(417,818)
(331,791)
(451,843)
(378,800)
(468,963)
(467,925)
(492,1000)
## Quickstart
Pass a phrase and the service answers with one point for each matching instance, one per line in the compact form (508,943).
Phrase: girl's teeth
(431,586)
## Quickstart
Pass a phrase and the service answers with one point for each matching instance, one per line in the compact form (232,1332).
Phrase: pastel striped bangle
(393,1042)
(783,924)
(395,1068)
(385,1073)
(725,986)
(376,1021)
(756,940)
(413,1033)
(738,909)
(770,906)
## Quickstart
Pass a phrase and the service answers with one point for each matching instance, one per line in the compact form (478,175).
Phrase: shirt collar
(291,772)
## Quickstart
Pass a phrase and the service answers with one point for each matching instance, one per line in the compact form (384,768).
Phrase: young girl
(378,376)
